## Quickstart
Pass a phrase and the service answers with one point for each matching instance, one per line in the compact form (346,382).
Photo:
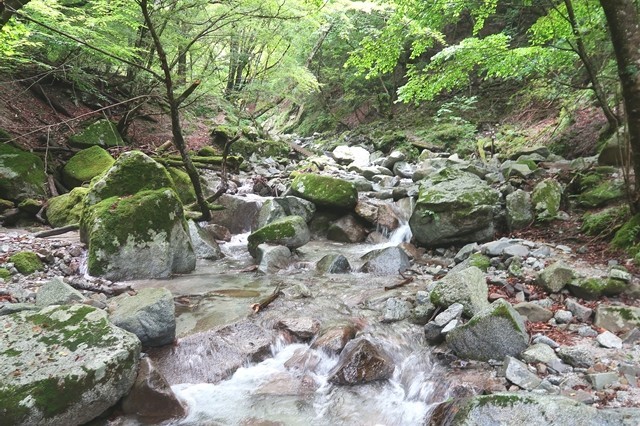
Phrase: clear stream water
(290,386)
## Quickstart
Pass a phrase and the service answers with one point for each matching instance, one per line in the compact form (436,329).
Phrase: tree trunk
(8,8)
(612,119)
(624,26)
(176,129)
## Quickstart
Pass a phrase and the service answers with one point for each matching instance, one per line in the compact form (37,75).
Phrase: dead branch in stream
(81,284)
(402,283)
(57,231)
(257,307)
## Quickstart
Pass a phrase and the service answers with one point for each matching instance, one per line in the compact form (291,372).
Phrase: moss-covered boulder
(5,274)
(26,262)
(617,318)
(602,194)
(132,172)
(140,236)
(289,231)
(30,206)
(594,288)
(86,165)
(325,191)
(546,197)
(63,365)
(103,133)
(493,333)
(604,222)
(183,185)
(453,208)
(66,209)
(628,235)
(529,409)
(21,174)
(6,205)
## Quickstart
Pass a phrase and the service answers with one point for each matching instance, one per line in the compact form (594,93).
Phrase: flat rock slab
(63,365)
(214,355)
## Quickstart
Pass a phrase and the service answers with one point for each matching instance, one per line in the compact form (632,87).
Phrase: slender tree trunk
(612,119)
(624,26)
(7,8)
(174,104)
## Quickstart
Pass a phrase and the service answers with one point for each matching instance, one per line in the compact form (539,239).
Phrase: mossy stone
(132,172)
(143,235)
(26,262)
(627,236)
(66,209)
(594,288)
(602,194)
(30,206)
(103,133)
(480,261)
(606,221)
(21,174)
(5,274)
(290,231)
(208,151)
(86,165)
(546,197)
(5,205)
(183,185)
(325,191)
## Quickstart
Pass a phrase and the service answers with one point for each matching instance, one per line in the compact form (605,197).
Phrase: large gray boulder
(467,287)
(63,365)
(533,409)
(494,333)
(85,165)
(387,261)
(279,207)
(453,208)
(204,244)
(140,236)
(361,362)
(240,213)
(289,231)
(150,315)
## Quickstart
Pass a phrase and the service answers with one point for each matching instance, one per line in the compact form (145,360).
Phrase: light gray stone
(519,209)
(467,287)
(150,315)
(271,259)
(387,261)
(92,365)
(576,356)
(493,333)
(609,340)
(563,317)
(617,318)
(396,310)
(580,312)
(204,244)
(600,381)
(540,352)
(57,292)
(554,277)
(517,373)
(533,312)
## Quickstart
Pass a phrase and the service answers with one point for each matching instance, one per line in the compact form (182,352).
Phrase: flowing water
(289,386)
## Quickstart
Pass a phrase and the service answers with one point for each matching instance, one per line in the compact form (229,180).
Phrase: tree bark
(7,8)
(624,26)
(176,129)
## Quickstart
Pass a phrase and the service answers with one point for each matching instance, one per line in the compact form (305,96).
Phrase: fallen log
(400,284)
(57,231)
(257,307)
(80,283)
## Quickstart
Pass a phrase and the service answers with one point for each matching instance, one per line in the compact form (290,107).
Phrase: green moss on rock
(30,206)
(5,274)
(132,172)
(325,191)
(480,261)
(606,221)
(103,133)
(148,226)
(628,235)
(594,288)
(604,193)
(5,205)
(183,185)
(21,174)
(290,231)
(66,209)
(26,262)
(86,165)
(546,198)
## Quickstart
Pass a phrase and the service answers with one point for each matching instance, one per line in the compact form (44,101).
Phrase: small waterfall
(402,234)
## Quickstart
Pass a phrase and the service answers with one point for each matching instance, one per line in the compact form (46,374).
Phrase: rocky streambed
(312,305)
